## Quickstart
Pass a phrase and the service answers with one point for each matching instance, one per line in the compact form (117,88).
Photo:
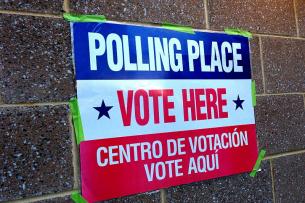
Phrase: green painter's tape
(253,93)
(84,18)
(235,31)
(77,121)
(78,198)
(178,28)
(260,157)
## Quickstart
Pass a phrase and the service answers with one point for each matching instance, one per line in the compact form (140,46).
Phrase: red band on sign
(116,167)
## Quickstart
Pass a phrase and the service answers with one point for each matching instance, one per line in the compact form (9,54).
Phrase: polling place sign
(160,108)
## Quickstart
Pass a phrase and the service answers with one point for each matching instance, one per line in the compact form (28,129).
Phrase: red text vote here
(197,104)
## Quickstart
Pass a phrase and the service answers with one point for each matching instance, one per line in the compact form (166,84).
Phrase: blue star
(103,110)
(238,103)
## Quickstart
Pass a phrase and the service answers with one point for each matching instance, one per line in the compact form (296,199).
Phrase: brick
(300,10)
(259,16)
(65,199)
(36,63)
(237,188)
(37,6)
(35,151)
(280,122)
(257,74)
(140,198)
(187,12)
(284,64)
(289,178)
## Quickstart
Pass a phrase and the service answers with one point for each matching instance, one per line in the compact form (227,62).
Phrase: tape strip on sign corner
(236,31)
(77,121)
(178,28)
(78,198)
(73,17)
(260,157)
(253,89)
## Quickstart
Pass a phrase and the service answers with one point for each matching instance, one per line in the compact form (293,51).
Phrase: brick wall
(38,154)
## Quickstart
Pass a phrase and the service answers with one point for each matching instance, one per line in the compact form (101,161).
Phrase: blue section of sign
(82,55)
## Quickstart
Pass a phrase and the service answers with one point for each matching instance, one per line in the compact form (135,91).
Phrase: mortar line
(272,181)
(66,6)
(34,104)
(296,18)
(207,29)
(262,62)
(43,197)
(304,100)
(10,12)
(280,94)
(75,156)
(206,15)
(163,195)
(284,154)
(278,36)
